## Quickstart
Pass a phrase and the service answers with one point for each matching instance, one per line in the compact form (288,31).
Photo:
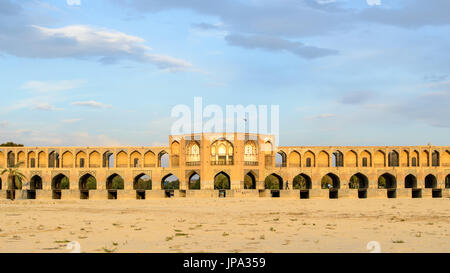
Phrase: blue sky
(108,72)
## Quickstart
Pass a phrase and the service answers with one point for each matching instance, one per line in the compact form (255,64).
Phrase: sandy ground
(226,225)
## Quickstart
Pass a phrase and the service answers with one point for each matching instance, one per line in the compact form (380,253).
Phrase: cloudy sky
(108,72)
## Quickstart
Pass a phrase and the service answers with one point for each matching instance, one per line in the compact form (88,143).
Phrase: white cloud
(74,2)
(373,2)
(72,120)
(55,86)
(91,103)
(45,107)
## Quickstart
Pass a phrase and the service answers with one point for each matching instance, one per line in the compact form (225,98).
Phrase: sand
(226,225)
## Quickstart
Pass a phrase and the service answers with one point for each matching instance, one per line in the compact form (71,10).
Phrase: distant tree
(354,182)
(272,183)
(327,182)
(381,182)
(248,182)
(299,183)
(15,177)
(10,144)
(194,184)
(91,183)
(65,183)
(221,182)
(144,184)
(117,183)
(172,185)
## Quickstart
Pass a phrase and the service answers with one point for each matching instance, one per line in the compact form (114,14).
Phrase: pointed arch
(170,182)
(94,159)
(337,159)
(60,182)
(425,158)
(410,181)
(81,159)
(163,159)
(149,159)
(387,181)
(351,159)
(379,159)
(404,158)
(309,160)
(67,159)
(302,182)
(393,159)
(87,182)
(108,159)
(294,159)
(42,159)
(135,159)
(435,159)
(53,159)
(415,159)
(358,181)
(31,160)
(142,181)
(280,159)
(445,159)
(36,183)
(274,182)
(115,182)
(430,181)
(323,159)
(2,160)
(21,157)
(194,181)
(222,181)
(122,159)
(250,180)
(11,159)
(330,181)
(366,159)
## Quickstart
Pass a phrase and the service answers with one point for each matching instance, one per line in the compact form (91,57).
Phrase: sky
(109,72)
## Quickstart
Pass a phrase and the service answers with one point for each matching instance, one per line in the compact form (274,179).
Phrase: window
(32,163)
(136,162)
(308,162)
(414,162)
(364,162)
(81,162)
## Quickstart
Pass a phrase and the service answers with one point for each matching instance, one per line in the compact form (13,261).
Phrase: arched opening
(142,182)
(324,159)
(53,160)
(430,182)
(330,181)
(393,159)
(11,159)
(250,181)
(250,153)
(222,181)
(273,182)
(268,155)
(108,159)
(122,159)
(170,182)
(59,182)
(94,159)
(87,182)
(387,181)
(36,183)
(222,152)
(410,182)
(435,159)
(67,160)
(294,159)
(358,181)
(337,159)
(114,182)
(135,159)
(193,154)
(280,159)
(194,181)
(447,181)
(302,182)
(163,159)
(366,159)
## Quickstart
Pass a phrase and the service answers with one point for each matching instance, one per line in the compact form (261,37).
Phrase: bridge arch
(142,181)
(330,181)
(87,182)
(222,181)
(273,181)
(430,181)
(358,181)
(387,181)
(302,182)
(194,181)
(170,182)
(36,183)
(250,180)
(411,181)
(60,182)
